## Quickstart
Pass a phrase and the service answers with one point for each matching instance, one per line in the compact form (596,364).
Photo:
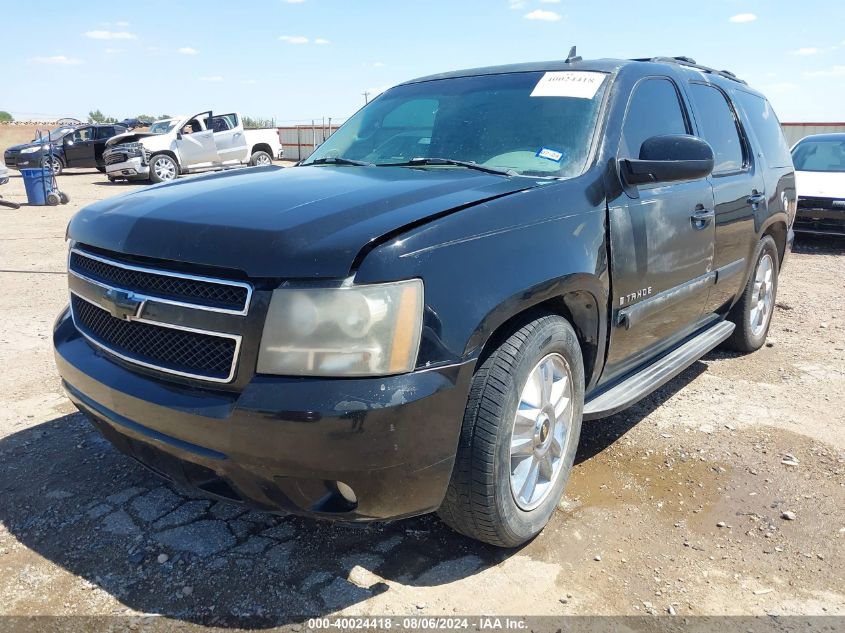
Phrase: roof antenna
(572,57)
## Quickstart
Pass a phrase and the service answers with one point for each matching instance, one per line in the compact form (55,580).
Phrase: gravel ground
(720,494)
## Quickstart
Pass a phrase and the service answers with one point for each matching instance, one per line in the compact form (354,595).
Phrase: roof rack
(691,63)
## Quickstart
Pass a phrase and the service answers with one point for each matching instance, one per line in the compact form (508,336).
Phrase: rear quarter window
(766,128)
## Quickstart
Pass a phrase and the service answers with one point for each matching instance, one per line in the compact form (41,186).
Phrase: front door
(229,138)
(196,147)
(79,148)
(662,241)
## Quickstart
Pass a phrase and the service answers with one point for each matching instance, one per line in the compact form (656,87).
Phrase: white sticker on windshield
(578,84)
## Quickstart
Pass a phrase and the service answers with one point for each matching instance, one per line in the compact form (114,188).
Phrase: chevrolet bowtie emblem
(121,304)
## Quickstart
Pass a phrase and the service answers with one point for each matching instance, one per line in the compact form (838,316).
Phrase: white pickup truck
(188,144)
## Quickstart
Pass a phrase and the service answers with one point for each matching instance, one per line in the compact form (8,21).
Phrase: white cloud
(187,50)
(294,1)
(212,78)
(293,39)
(545,16)
(740,18)
(550,1)
(57,59)
(321,40)
(806,51)
(379,65)
(123,24)
(516,4)
(111,35)
(833,71)
(112,51)
(249,81)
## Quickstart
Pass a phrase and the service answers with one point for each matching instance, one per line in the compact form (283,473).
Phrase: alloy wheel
(541,430)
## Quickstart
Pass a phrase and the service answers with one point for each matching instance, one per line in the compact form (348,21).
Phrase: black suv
(419,316)
(79,146)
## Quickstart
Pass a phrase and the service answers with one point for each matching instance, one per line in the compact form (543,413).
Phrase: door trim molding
(630,316)
(729,270)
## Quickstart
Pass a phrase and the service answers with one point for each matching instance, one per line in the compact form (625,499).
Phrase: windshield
(162,127)
(56,134)
(819,156)
(515,121)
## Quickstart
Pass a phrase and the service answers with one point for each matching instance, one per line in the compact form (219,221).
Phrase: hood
(128,137)
(820,184)
(302,222)
(35,144)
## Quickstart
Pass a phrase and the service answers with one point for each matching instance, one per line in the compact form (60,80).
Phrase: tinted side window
(718,125)
(766,128)
(105,132)
(654,110)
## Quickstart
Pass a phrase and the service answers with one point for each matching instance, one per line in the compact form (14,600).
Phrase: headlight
(32,150)
(371,330)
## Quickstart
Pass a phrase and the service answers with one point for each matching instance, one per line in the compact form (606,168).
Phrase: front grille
(199,292)
(118,157)
(820,225)
(826,204)
(188,353)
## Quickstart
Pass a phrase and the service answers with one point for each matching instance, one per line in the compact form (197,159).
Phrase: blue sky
(300,59)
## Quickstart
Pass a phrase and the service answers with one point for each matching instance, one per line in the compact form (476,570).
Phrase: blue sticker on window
(550,154)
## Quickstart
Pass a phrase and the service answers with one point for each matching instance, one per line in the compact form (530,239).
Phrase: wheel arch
(579,298)
(778,231)
(262,147)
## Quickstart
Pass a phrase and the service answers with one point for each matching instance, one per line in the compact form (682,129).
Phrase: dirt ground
(720,494)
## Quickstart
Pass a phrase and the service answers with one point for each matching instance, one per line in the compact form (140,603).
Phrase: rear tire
(53,198)
(163,168)
(260,159)
(515,432)
(752,314)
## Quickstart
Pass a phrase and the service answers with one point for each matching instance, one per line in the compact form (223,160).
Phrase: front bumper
(131,168)
(281,444)
(820,217)
(27,161)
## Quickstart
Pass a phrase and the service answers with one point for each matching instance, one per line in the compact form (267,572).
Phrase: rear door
(661,241)
(738,189)
(229,138)
(79,147)
(196,145)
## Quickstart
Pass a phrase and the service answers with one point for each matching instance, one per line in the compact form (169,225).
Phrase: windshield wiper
(337,160)
(415,162)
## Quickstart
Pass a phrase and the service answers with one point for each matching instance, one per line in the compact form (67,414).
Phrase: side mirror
(669,158)
(178,136)
(68,140)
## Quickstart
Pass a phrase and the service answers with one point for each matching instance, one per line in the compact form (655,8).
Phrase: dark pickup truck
(75,146)
(420,315)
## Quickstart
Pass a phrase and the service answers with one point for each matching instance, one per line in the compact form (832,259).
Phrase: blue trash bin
(36,182)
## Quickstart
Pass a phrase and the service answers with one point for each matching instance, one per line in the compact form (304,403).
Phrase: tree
(95,116)
(5,117)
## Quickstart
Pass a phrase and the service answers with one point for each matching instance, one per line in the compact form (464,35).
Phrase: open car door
(196,143)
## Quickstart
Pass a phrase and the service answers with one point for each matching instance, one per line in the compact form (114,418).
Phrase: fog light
(346,492)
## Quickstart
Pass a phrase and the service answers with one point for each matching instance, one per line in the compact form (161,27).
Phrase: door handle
(701,217)
(756,198)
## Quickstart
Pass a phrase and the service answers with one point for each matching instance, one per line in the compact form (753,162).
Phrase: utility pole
(366,94)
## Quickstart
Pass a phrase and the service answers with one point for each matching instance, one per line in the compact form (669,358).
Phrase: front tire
(519,436)
(260,159)
(54,164)
(163,168)
(753,312)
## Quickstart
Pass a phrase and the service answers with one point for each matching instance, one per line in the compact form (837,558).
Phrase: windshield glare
(819,156)
(162,127)
(490,120)
(56,134)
